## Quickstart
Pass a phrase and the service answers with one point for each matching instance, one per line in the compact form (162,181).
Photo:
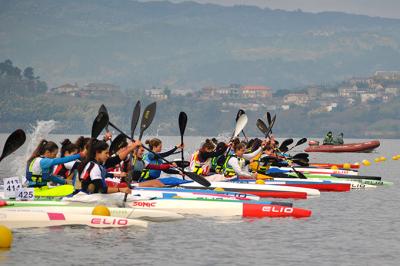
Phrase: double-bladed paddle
(13,142)
(116,143)
(269,120)
(299,142)
(263,127)
(182,119)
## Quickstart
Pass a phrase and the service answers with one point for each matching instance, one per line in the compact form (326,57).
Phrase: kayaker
(328,140)
(94,172)
(82,142)
(201,160)
(141,169)
(235,164)
(65,170)
(40,165)
(155,145)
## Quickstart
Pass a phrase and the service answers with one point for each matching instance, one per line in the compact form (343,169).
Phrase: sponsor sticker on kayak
(144,204)
(106,221)
(277,209)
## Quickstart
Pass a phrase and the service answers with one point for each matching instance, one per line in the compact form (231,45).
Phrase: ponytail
(43,146)
(68,146)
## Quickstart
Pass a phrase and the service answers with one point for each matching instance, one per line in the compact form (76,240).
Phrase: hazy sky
(382,8)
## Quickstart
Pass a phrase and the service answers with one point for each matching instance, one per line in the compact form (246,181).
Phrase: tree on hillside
(7,69)
(29,74)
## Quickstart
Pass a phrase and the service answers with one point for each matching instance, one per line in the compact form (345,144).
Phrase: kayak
(264,191)
(313,170)
(210,207)
(58,191)
(367,146)
(321,185)
(192,193)
(23,219)
(67,207)
(338,165)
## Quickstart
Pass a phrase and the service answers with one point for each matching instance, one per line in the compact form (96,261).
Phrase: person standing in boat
(339,139)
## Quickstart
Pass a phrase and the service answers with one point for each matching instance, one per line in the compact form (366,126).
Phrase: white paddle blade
(240,124)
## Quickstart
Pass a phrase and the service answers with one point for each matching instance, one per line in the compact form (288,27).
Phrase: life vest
(152,173)
(35,175)
(62,171)
(139,171)
(256,166)
(199,167)
(86,180)
(227,169)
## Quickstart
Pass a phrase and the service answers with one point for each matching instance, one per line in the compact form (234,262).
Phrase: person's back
(339,139)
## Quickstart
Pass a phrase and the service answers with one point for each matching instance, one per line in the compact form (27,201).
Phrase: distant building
(255,92)
(348,91)
(101,88)
(387,75)
(66,89)
(296,98)
(326,95)
(156,94)
(393,91)
(366,97)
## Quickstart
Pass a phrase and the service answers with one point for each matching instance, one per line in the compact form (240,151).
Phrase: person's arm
(249,156)
(161,167)
(168,153)
(112,161)
(46,163)
(234,163)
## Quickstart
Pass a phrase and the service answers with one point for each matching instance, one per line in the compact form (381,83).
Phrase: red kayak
(351,147)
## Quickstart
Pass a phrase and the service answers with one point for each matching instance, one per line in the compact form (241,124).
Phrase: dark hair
(235,142)
(82,142)
(153,142)
(43,146)
(239,146)
(94,146)
(208,144)
(214,140)
(67,146)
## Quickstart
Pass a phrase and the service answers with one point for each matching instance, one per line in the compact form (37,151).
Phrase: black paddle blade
(197,178)
(302,155)
(269,118)
(103,109)
(135,118)
(262,126)
(182,122)
(99,123)
(182,164)
(284,146)
(116,143)
(301,141)
(301,162)
(147,118)
(13,142)
(239,113)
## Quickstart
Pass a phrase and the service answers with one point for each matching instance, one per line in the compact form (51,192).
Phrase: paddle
(103,109)
(300,142)
(240,124)
(99,123)
(182,126)
(263,127)
(239,114)
(284,146)
(147,118)
(13,142)
(135,118)
(269,119)
(197,178)
(116,143)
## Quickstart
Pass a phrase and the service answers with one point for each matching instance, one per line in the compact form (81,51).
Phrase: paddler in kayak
(155,145)
(93,168)
(141,170)
(40,165)
(66,170)
(235,164)
(201,160)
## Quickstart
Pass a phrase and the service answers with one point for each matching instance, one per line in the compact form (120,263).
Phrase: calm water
(356,228)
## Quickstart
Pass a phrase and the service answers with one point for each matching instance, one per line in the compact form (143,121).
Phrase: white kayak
(74,208)
(221,208)
(28,219)
(262,190)
(319,171)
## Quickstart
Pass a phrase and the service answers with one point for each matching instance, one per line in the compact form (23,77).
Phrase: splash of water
(39,131)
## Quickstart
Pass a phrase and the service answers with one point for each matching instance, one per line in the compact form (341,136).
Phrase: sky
(380,8)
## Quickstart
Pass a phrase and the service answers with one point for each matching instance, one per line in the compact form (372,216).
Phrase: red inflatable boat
(351,147)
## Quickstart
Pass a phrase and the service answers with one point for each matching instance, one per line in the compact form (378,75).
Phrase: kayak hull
(367,146)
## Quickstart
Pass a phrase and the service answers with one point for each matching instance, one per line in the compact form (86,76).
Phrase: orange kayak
(338,165)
